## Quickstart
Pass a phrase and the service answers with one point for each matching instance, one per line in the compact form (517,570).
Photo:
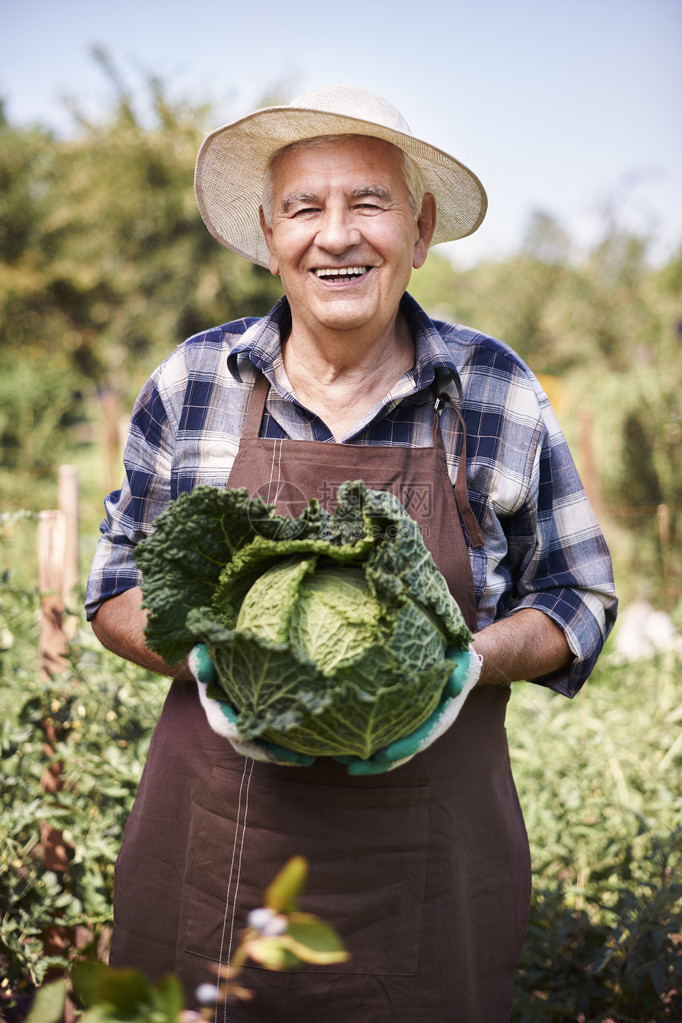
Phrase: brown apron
(424,870)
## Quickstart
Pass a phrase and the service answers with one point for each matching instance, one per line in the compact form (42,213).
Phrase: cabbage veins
(328,632)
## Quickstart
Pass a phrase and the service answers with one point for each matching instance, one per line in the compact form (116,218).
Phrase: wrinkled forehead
(337,156)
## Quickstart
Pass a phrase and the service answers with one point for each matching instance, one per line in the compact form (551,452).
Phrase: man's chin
(343,313)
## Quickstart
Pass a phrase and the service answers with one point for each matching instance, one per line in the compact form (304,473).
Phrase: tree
(106,265)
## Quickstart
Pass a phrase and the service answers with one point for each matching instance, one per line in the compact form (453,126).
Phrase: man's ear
(426,222)
(267,234)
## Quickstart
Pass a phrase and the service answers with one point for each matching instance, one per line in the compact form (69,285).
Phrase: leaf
(315,941)
(282,892)
(316,944)
(112,993)
(103,1014)
(84,976)
(125,988)
(48,1005)
(193,540)
(168,998)
(272,953)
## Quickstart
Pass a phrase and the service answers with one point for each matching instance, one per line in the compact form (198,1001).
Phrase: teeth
(345,271)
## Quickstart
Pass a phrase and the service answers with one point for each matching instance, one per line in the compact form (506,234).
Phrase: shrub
(599,783)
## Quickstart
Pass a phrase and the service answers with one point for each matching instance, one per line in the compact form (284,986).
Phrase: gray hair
(414,179)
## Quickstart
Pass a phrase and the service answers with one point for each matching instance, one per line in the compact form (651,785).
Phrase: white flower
(267,922)
(206,994)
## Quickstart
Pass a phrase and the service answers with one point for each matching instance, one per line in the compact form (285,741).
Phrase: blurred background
(570,114)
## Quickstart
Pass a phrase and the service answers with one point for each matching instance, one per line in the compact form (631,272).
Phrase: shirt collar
(260,346)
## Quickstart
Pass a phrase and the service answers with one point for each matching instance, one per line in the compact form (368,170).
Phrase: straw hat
(233,159)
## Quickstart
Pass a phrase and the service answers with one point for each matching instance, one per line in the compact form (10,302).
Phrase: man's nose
(336,232)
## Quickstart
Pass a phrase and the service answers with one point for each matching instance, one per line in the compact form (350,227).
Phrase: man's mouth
(341,273)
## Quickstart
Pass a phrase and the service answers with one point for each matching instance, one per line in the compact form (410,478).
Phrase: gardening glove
(461,682)
(222,718)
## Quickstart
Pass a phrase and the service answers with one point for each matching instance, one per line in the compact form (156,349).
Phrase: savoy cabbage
(328,632)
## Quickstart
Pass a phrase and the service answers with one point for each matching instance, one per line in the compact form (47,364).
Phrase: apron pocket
(366,845)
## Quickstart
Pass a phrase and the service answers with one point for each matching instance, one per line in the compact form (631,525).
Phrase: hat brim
(233,159)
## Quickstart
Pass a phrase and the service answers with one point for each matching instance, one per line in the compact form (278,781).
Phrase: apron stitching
(279,470)
(272,467)
(241,824)
(276,450)
(241,853)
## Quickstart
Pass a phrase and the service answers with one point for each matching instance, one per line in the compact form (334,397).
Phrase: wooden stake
(68,506)
(51,540)
(51,545)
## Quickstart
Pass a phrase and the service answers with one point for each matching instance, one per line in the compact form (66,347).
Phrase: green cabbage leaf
(328,632)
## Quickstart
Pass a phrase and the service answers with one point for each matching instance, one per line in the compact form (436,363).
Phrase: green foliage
(105,263)
(598,780)
(101,712)
(37,404)
(563,314)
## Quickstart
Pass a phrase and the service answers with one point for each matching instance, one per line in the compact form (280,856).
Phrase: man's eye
(305,210)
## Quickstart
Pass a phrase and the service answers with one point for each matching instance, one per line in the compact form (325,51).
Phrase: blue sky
(573,108)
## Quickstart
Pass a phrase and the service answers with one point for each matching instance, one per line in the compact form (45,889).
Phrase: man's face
(343,237)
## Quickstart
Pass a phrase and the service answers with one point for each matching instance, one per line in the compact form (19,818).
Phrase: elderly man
(423,869)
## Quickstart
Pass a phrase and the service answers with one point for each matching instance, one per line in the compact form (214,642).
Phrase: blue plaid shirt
(543,547)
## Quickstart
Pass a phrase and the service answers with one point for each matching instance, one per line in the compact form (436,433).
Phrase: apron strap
(461,492)
(256,406)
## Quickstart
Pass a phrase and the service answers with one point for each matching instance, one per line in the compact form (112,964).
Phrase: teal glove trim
(228,711)
(200,664)
(281,755)
(375,765)
(460,659)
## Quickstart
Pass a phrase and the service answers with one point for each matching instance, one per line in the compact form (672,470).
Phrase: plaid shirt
(543,547)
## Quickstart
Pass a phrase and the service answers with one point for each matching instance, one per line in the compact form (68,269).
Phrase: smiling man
(422,862)
(343,235)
